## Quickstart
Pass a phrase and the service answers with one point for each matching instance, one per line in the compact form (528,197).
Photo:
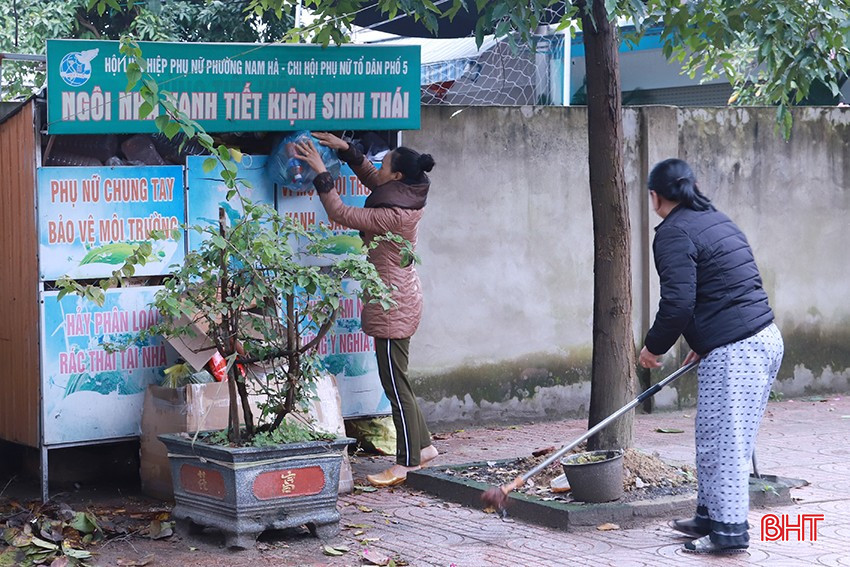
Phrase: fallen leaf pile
(52,535)
(645,470)
(641,471)
(56,535)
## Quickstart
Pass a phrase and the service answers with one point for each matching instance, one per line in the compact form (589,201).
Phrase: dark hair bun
(426,162)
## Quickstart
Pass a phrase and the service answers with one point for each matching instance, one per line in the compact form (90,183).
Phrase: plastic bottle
(293,166)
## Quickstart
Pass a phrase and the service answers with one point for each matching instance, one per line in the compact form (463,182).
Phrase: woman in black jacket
(712,294)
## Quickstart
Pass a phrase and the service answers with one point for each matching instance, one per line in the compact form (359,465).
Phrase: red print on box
(289,482)
(202,481)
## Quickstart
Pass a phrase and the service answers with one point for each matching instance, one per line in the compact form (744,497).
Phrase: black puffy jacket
(711,290)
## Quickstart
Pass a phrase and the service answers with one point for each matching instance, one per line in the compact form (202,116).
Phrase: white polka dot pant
(733,387)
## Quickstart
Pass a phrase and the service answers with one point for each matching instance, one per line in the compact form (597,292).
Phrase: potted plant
(265,308)
(595,476)
(265,311)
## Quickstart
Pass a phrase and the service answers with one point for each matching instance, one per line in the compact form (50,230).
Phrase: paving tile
(838,559)
(648,537)
(566,543)
(675,552)
(798,440)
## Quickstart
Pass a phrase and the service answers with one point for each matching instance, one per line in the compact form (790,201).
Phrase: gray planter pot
(247,490)
(593,480)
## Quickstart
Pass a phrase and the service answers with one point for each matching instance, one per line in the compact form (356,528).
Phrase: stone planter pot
(595,476)
(246,490)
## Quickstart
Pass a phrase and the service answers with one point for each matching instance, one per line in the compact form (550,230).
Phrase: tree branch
(88,25)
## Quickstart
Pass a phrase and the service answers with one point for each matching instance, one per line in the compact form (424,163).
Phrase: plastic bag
(374,434)
(288,171)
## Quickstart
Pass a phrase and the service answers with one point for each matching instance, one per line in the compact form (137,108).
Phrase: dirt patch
(646,476)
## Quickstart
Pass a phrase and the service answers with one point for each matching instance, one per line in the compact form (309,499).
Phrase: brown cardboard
(196,347)
(191,408)
(200,407)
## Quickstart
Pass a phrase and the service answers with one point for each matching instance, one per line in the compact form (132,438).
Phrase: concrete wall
(792,199)
(507,247)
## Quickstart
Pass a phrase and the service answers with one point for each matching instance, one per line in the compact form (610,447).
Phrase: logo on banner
(75,67)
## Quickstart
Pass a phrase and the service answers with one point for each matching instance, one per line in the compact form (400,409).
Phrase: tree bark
(234,434)
(613,375)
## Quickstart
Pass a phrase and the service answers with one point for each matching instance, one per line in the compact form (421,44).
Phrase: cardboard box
(196,347)
(191,408)
(200,407)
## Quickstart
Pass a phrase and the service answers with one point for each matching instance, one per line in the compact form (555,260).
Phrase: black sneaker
(691,527)
(705,545)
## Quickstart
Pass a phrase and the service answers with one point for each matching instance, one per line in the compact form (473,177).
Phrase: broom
(497,496)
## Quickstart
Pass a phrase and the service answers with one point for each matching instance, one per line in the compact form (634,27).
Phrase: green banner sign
(235,87)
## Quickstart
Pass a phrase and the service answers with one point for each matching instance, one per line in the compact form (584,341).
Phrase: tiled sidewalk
(798,439)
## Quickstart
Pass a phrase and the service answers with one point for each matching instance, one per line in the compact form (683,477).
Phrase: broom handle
(648,393)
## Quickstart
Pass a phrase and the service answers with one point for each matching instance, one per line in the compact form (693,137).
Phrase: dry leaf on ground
(335,550)
(374,557)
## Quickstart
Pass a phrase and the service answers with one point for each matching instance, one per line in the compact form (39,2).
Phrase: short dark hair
(411,164)
(674,180)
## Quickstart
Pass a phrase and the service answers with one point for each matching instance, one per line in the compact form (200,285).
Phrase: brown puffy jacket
(401,320)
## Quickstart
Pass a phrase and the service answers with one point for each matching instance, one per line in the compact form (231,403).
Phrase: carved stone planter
(247,490)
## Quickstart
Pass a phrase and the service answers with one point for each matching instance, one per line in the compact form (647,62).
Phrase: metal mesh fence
(498,74)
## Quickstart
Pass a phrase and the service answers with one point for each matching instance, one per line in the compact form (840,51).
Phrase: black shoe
(691,527)
(705,545)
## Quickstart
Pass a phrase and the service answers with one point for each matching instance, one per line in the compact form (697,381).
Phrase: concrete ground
(807,439)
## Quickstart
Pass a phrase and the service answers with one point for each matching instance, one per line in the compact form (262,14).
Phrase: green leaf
(145,110)
(500,10)
(152,86)
(219,242)
(171,130)
(209,164)
(44,544)
(9,558)
(16,538)
(84,523)
(479,34)
(161,122)
(75,553)
(134,73)
(328,550)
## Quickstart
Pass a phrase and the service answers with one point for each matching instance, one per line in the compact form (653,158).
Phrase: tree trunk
(234,434)
(613,375)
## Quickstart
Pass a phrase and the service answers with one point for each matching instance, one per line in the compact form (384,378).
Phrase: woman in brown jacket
(396,204)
